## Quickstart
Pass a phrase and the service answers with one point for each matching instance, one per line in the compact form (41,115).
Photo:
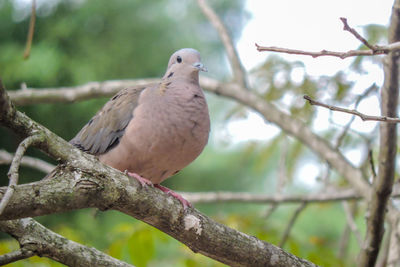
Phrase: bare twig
(346,128)
(291,223)
(282,177)
(13,172)
(35,163)
(16,256)
(351,223)
(352,111)
(384,254)
(342,55)
(346,27)
(372,164)
(31,31)
(239,73)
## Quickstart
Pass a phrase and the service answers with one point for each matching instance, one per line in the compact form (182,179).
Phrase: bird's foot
(184,202)
(143,181)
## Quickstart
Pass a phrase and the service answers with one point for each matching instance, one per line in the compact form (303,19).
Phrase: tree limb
(35,239)
(382,185)
(238,70)
(15,256)
(82,182)
(30,96)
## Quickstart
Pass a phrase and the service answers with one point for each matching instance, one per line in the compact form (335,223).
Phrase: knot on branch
(86,184)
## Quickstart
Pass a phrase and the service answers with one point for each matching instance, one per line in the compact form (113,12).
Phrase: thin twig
(15,256)
(237,67)
(31,31)
(35,163)
(384,253)
(352,111)
(342,55)
(282,177)
(351,223)
(346,27)
(13,172)
(371,163)
(291,223)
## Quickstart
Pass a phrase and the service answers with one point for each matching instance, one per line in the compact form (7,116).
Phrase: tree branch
(291,223)
(382,185)
(14,168)
(352,111)
(83,182)
(326,196)
(342,55)
(15,256)
(31,31)
(346,27)
(238,70)
(35,239)
(35,163)
(30,96)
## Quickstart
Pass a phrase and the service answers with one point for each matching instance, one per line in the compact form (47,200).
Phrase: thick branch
(15,256)
(35,239)
(84,182)
(364,117)
(382,185)
(238,70)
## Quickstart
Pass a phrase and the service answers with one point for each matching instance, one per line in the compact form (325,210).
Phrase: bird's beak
(200,66)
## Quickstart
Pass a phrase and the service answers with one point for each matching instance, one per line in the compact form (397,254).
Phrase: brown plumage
(156,130)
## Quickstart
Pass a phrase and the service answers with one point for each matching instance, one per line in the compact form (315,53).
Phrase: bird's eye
(179,59)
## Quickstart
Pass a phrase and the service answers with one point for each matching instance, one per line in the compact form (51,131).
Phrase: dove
(152,132)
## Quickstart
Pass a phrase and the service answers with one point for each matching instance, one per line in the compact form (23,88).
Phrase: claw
(143,181)
(184,202)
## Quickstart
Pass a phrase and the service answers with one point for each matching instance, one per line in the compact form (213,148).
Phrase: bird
(151,132)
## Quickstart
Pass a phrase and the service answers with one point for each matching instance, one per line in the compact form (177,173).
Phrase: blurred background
(78,41)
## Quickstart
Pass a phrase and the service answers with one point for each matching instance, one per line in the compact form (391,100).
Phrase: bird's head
(184,62)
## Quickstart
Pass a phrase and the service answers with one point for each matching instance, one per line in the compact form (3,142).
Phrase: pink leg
(184,202)
(143,181)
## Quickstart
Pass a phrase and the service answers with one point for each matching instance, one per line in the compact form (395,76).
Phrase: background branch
(292,220)
(35,163)
(352,111)
(238,70)
(387,150)
(35,239)
(14,168)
